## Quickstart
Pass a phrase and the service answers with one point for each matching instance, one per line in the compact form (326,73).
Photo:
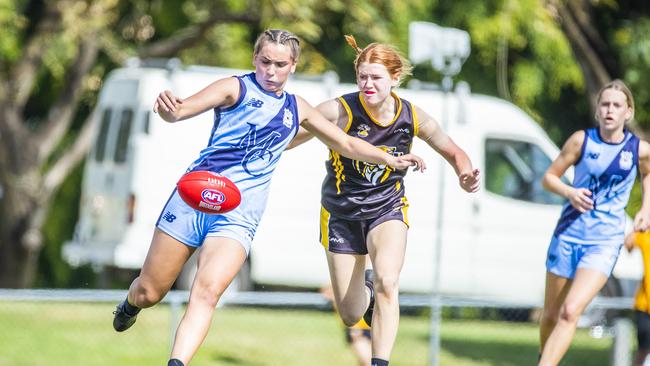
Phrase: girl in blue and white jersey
(589,235)
(255,119)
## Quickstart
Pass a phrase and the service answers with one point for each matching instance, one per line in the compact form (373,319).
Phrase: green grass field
(61,334)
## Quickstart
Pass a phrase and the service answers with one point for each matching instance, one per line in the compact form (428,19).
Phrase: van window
(100,144)
(515,168)
(123,136)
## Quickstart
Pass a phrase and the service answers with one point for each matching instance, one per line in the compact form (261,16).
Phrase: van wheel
(517,315)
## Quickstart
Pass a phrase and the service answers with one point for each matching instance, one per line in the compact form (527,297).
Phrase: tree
(27,175)
(605,40)
(550,57)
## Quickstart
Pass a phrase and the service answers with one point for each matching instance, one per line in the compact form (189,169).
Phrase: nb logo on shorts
(254,103)
(336,240)
(169,217)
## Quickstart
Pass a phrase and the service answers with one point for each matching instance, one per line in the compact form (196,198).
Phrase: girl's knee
(208,293)
(570,312)
(349,318)
(147,294)
(387,286)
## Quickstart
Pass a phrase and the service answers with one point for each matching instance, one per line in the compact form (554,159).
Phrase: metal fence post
(175,303)
(436,305)
(621,355)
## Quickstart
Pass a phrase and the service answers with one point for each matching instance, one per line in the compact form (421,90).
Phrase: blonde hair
(376,53)
(278,36)
(618,84)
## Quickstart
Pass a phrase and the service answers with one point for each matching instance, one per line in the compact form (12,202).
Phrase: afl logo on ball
(213,196)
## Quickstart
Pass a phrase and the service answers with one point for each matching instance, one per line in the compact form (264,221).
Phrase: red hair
(376,53)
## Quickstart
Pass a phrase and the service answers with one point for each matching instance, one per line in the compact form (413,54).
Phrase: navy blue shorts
(339,235)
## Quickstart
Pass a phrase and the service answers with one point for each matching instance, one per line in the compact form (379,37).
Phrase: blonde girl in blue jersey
(255,119)
(363,205)
(589,235)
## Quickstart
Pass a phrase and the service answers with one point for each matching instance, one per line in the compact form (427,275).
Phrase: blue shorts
(564,258)
(191,227)
(339,235)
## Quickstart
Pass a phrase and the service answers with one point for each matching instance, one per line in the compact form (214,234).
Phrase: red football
(208,192)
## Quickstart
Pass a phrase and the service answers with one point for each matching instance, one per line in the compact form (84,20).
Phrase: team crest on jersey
(376,173)
(287,119)
(626,160)
(362,130)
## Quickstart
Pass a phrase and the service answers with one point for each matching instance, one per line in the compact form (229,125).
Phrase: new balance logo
(593,155)
(256,103)
(169,217)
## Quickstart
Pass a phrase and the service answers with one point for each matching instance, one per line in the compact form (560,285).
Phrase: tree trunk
(593,68)
(20,244)
(19,264)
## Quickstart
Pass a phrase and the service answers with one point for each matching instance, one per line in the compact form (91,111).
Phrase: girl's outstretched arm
(350,147)
(432,134)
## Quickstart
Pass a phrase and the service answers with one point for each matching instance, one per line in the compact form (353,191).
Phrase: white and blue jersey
(245,145)
(608,171)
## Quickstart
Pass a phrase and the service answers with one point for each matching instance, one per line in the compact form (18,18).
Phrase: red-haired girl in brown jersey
(363,205)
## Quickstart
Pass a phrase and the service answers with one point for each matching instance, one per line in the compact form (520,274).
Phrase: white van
(493,242)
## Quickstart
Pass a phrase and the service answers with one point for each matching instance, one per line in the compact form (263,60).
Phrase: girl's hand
(405,161)
(469,181)
(642,221)
(629,241)
(166,105)
(580,199)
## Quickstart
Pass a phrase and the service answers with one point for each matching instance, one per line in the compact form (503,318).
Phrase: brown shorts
(339,235)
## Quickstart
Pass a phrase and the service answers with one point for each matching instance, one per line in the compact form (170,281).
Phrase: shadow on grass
(223,359)
(508,354)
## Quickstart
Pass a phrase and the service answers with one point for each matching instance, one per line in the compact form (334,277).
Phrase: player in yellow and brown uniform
(363,205)
(362,192)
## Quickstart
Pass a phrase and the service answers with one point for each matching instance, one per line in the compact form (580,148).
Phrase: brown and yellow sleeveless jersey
(357,190)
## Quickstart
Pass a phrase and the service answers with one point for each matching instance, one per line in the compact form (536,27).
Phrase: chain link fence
(73,327)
